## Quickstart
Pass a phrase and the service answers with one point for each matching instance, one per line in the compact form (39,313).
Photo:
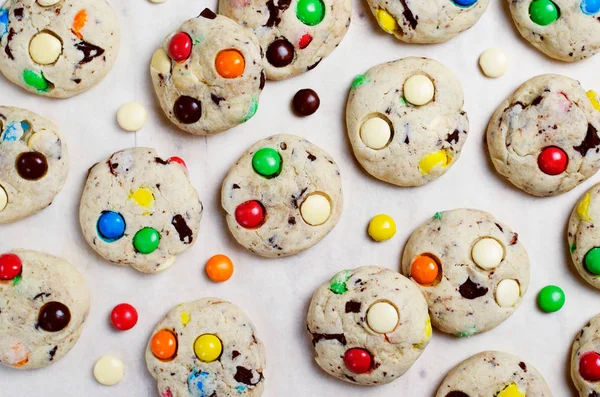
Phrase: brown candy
(280,53)
(188,110)
(54,317)
(32,165)
(306,102)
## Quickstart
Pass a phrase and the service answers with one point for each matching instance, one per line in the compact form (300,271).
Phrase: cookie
(472,269)
(406,122)
(57,48)
(424,22)
(567,30)
(209,74)
(295,34)
(44,302)
(585,360)
(544,137)
(368,325)
(34,163)
(206,348)
(282,196)
(493,373)
(139,210)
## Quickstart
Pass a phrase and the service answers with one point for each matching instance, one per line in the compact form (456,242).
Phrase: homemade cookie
(57,48)
(43,304)
(433,21)
(567,30)
(494,373)
(406,121)
(296,34)
(544,137)
(282,196)
(34,163)
(206,348)
(139,210)
(368,325)
(471,268)
(585,360)
(208,75)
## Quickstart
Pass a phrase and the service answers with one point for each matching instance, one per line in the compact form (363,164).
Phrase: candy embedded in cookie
(585,359)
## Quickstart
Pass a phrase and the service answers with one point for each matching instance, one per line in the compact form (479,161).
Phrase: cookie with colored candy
(406,122)
(368,325)
(34,163)
(206,348)
(494,373)
(282,196)
(44,302)
(585,360)
(544,137)
(140,210)
(57,48)
(209,74)
(295,34)
(433,21)
(472,269)
(567,30)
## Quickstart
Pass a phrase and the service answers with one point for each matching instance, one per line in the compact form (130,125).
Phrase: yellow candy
(185,318)
(382,227)
(583,208)
(510,391)
(208,348)
(430,161)
(428,329)
(143,197)
(386,21)
(594,99)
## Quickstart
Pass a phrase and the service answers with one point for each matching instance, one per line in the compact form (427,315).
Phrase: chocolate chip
(274,10)
(311,156)
(185,233)
(471,290)
(89,50)
(19,13)
(291,220)
(457,394)
(590,141)
(316,338)
(353,307)
(408,14)
(537,100)
(32,165)
(235,354)
(453,137)
(160,161)
(188,110)
(235,186)
(216,99)
(245,375)
(53,317)
(7,50)
(306,102)
(208,14)
(500,227)
(280,53)
(53,352)
(263,79)
(523,366)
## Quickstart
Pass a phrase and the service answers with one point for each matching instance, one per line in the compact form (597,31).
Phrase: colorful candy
(164,345)
(583,208)
(32,165)
(180,47)
(124,317)
(146,240)
(111,226)
(487,253)
(36,80)
(419,90)
(250,214)
(188,110)
(230,64)
(508,293)
(589,366)
(280,53)
(109,370)
(432,160)
(79,22)
(316,209)
(304,41)
(143,196)
(358,361)
(267,162)
(310,12)
(382,317)
(382,227)
(592,261)
(45,48)
(543,12)
(337,284)
(494,62)
(178,160)
(464,3)
(10,266)
(306,102)
(424,269)
(551,299)
(132,116)
(376,133)
(161,61)
(386,21)
(590,7)
(219,268)
(592,96)
(553,160)
(208,348)
(511,390)
(3,198)
(54,317)
(48,3)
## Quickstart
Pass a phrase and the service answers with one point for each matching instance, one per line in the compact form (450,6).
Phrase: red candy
(249,214)
(589,366)
(180,47)
(305,41)
(10,266)
(124,317)
(358,361)
(178,160)
(553,161)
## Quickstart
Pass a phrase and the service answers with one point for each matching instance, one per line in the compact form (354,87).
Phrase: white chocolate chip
(419,90)
(48,3)
(132,116)
(507,293)
(315,210)
(487,253)
(109,370)
(157,1)
(45,48)
(494,62)
(375,133)
(166,264)
(382,317)
(161,61)
(3,198)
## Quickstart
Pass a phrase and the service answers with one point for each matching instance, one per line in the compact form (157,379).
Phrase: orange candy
(230,64)
(424,270)
(79,22)
(164,345)
(219,268)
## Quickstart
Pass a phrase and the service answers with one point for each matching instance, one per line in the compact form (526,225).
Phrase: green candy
(338,282)
(36,80)
(572,248)
(146,240)
(551,299)
(359,80)
(437,215)
(543,12)
(252,110)
(310,12)
(267,162)
(17,280)
(592,261)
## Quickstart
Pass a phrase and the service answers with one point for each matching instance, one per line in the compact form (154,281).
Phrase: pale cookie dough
(397,141)
(290,210)
(34,163)
(544,137)
(585,358)
(494,373)
(215,83)
(372,310)
(139,210)
(427,21)
(42,310)
(232,367)
(60,49)
(295,34)
(482,270)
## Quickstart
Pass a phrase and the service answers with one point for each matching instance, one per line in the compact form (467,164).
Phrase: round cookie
(406,122)
(60,49)
(206,348)
(425,22)
(567,30)
(34,163)
(471,268)
(585,360)
(544,137)
(282,196)
(43,305)
(139,210)
(209,74)
(493,373)
(295,34)
(368,325)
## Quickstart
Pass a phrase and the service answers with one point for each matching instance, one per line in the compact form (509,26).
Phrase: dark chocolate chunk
(316,338)
(457,394)
(208,14)
(7,50)
(89,50)
(470,290)
(408,14)
(353,307)
(53,352)
(235,354)
(291,220)
(185,233)
(19,13)
(311,156)
(537,100)
(77,81)
(453,137)
(523,366)
(216,99)
(263,80)
(235,186)
(54,317)
(500,227)
(160,161)
(590,141)
(245,375)
(274,10)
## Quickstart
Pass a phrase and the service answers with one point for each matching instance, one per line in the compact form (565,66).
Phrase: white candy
(132,116)
(109,370)
(494,62)
(315,210)
(3,198)
(375,133)
(487,253)
(419,90)
(45,48)
(382,317)
(161,61)
(48,3)
(507,293)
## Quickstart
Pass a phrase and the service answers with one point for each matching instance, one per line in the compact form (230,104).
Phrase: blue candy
(465,3)
(14,131)
(200,384)
(111,226)
(3,22)
(590,7)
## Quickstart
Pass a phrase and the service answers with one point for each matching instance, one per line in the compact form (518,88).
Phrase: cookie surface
(208,75)
(368,325)
(494,373)
(585,359)
(584,238)
(480,270)
(42,309)
(399,142)
(139,210)
(282,196)
(544,137)
(295,34)
(431,21)
(58,50)
(34,163)
(567,30)
(213,351)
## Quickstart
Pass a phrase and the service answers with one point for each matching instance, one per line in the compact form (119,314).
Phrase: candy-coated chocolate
(304,41)
(219,268)
(280,53)
(511,390)
(316,209)
(208,348)
(310,12)
(132,116)
(45,48)
(230,64)
(590,7)
(109,370)
(124,317)
(464,3)
(543,12)
(386,21)
(435,159)
(32,165)
(267,162)
(424,270)
(593,97)
(161,61)
(382,227)
(508,293)
(36,80)
(111,225)
(146,240)
(178,160)
(551,299)
(494,62)
(10,266)
(164,345)
(382,317)
(487,253)
(180,47)
(188,110)
(3,198)
(208,14)
(553,160)
(589,366)
(419,90)
(306,102)
(592,261)
(250,214)
(358,361)
(54,317)
(143,196)
(48,3)
(337,284)
(376,133)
